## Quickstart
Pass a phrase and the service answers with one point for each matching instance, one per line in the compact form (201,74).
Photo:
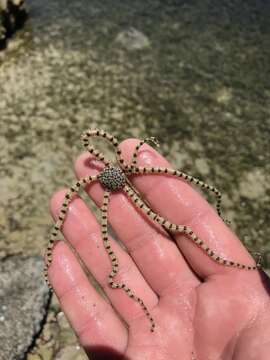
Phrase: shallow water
(194,74)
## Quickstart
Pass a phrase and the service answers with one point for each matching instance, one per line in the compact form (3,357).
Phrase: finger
(150,246)
(180,203)
(91,317)
(83,232)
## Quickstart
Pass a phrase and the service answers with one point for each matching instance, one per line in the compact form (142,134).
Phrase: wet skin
(198,305)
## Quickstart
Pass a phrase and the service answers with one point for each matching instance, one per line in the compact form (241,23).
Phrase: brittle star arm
(180,174)
(74,189)
(99,155)
(185,230)
(114,262)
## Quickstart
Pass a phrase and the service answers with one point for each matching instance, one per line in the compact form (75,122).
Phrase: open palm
(202,310)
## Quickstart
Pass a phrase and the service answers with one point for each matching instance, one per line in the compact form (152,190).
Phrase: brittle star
(116,178)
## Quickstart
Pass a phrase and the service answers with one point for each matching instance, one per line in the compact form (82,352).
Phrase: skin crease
(218,312)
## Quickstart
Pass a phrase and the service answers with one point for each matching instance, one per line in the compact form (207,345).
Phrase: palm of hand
(226,317)
(198,305)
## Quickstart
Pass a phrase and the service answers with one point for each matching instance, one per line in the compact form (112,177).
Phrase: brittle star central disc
(112,178)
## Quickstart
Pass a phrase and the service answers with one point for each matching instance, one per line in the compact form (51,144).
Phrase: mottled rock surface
(23,304)
(12,16)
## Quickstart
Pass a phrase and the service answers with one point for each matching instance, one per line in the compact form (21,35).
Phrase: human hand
(198,305)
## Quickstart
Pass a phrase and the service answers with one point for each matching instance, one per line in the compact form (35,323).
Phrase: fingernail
(94,165)
(147,157)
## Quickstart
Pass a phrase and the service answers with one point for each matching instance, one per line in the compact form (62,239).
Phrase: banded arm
(185,230)
(114,262)
(98,154)
(74,189)
(180,174)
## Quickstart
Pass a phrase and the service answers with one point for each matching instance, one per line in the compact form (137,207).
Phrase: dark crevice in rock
(13,15)
(42,323)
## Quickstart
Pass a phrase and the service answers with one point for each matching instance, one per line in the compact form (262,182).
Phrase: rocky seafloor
(194,74)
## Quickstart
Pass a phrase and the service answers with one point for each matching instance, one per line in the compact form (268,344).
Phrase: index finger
(180,203)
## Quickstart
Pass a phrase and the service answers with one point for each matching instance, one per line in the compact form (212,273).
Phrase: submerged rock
(23,302)
(12,16)
(132,39)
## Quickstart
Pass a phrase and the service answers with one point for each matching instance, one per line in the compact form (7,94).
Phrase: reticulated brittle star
(115,178)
